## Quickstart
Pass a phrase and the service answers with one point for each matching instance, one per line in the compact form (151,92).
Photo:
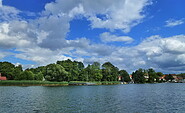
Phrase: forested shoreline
(67,70)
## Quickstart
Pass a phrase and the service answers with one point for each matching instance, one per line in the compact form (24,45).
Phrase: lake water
(131,98)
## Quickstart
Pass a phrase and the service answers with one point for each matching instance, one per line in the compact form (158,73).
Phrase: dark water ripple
(131,98)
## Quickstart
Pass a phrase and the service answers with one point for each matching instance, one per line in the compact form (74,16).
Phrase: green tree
(124,75)
(83,75)
(17,71)
(55,72)
(152,75)
(109,72)
(39,76)
(169,77)
(159,74)
(25,75)
(96,71)
(74,68)
(7,69)
(138,76)
(93,72)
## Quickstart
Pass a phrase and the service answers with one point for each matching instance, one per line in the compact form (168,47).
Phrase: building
(177,78)
(2,77)
(162,78)
(146,76)
(130,77)
(132,81)
(119,78)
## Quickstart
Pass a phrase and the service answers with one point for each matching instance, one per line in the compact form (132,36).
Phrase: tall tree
(109,72)
(7,69)
(17,71)
(55,72)
(159,74)
(124,75)
(25,75)
(169,77)
(38,76)
(138,76)
(152,75)
(73,68)
(94,72)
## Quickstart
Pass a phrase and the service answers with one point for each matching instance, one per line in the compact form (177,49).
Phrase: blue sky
(131,34)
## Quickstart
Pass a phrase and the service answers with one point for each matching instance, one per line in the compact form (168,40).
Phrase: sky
(131,34)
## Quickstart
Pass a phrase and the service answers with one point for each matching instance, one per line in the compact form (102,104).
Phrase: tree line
(68,70)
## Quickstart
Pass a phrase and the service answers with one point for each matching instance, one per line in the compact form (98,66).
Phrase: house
(132,81)
(177,78)
(2,77)
(119,78)
(181,80)
(162,78)
(130,77)
(146,76)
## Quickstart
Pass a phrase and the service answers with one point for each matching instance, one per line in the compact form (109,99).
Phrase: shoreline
(25,83)
(48,83)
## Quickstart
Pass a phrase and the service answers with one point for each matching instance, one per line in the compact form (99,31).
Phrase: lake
(130,98)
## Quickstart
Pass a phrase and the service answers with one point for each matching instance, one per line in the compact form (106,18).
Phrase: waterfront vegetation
(31,83)
(67,71)
(51,83)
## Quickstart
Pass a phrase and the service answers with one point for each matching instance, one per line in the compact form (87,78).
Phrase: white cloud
(107,37)
(9,39)
(8,13)
(162,54)
(54,28)
(173,22)
(4,54)
(120,14)
(76,11)
(41,56)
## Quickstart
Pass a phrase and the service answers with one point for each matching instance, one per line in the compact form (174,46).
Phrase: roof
(163,77)
(3,78)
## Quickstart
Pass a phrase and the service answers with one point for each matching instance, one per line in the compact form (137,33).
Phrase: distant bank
(48,83)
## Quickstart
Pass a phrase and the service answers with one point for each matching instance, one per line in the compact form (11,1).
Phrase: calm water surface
(131,98)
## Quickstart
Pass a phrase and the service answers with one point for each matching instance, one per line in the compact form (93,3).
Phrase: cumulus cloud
(8,13)
(117,13)
(160,53)
(41,56)
(10,38)
(50,29)
(107,37)
(164,54)
(173,22)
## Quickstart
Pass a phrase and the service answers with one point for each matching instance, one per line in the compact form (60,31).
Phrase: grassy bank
(31,83)
(48,83)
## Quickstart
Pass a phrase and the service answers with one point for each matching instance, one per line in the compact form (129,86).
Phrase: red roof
(130,76)
(3,78)
(163,77)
